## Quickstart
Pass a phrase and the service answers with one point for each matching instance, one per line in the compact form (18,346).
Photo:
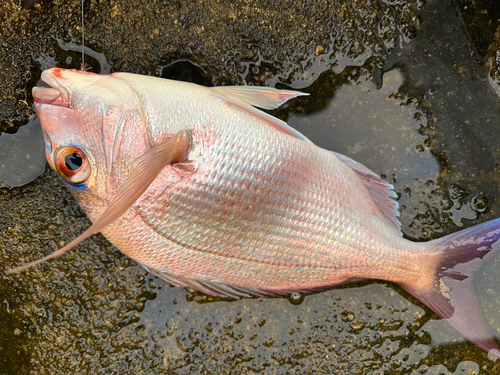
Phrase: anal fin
(223,290)
(212,288)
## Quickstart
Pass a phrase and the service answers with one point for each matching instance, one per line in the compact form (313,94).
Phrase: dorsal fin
(270,120)
(258,96)
(380,190)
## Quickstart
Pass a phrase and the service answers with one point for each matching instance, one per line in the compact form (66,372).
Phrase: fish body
(251,206)
(254,201)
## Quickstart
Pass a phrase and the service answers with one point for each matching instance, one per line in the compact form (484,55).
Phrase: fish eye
(72,165)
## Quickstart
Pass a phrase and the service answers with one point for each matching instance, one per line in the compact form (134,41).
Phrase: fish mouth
(55,95)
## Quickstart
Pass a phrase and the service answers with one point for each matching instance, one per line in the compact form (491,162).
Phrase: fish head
(94,128)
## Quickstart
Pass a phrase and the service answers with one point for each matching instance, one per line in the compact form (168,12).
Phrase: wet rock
(95,311)
(243,42)
(480,20)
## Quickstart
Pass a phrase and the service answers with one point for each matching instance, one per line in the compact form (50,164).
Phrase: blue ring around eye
(80,186)
(48,147)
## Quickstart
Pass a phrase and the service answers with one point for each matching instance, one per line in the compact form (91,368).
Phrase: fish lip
(55,95)
(45,95)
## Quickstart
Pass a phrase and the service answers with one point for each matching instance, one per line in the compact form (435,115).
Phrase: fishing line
(83,40)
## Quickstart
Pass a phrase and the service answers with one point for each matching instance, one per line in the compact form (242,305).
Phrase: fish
(206,191)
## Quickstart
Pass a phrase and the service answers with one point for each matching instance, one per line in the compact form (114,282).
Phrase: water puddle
(378,126)
(22,155)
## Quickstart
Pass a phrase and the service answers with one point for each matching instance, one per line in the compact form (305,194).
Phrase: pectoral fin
(144,170)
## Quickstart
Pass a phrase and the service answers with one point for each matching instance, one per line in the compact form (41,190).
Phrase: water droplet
(295,298)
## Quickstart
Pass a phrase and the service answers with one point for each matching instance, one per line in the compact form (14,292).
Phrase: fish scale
(306,234)
(210,193)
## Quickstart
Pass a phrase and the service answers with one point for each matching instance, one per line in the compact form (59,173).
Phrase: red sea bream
(237,203)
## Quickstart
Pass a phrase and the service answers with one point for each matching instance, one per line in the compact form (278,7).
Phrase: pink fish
(210,193)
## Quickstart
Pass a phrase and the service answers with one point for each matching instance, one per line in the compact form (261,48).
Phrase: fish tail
(450,293)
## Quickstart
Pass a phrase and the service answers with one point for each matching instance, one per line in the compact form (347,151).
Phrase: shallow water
(424,116)
(22,155)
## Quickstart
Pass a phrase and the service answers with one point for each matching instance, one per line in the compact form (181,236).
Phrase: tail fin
(452,294)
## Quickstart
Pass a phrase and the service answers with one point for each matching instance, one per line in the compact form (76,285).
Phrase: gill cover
(144,171)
